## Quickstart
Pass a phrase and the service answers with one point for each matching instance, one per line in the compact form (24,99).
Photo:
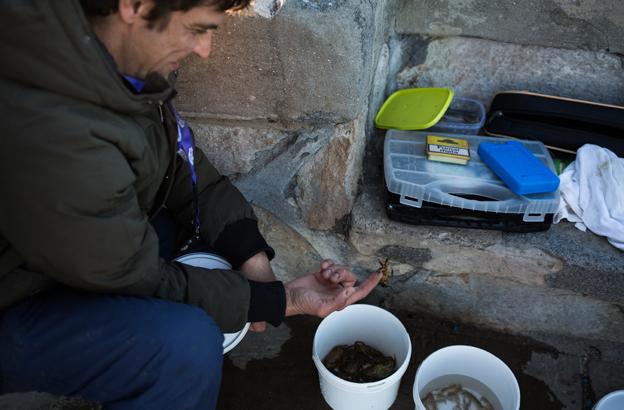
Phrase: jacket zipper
(168,179)
(160,111)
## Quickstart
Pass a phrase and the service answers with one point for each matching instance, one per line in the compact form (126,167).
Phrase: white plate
(211,261)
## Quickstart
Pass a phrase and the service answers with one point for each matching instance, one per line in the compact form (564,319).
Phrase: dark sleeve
(267,302)
(240,241)
(228,223)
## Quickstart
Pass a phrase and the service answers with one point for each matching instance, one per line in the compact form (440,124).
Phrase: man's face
(151,50)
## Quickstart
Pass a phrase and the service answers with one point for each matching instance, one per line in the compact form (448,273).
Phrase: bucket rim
(370,386)
(603,401)
(199,259)
(506,369)
(203,255)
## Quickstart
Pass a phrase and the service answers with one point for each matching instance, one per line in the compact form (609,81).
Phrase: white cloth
(592,193)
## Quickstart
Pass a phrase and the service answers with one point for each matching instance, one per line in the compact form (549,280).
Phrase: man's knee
(185,358)
(124,352)
(190,342)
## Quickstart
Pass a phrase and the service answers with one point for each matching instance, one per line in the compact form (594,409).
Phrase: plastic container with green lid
(464,116)
(414,108)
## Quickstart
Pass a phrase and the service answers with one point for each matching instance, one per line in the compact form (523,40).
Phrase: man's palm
(331,289)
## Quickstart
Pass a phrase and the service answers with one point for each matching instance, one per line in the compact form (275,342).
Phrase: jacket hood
(49,44)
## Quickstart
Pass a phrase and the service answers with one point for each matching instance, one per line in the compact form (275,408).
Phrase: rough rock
(311,62)
(272,186)
(501,281)
(294,256)
(508,306)
(267,8)
(524,266)
(372,230)
(379,85)
(235,149)
(588,24)
(327,183)
(480,68)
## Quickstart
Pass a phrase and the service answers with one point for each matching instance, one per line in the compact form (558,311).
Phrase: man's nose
(202,48)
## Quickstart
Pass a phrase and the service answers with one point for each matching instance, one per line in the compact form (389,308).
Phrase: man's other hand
(332,288)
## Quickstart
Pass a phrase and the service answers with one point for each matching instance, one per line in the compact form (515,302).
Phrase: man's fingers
(337,275)
(326,264)
(327,269)
(350,295)
(363,289)
(344,277)
(326,274)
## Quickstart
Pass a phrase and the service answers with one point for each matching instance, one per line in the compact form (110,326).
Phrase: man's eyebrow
(204,26)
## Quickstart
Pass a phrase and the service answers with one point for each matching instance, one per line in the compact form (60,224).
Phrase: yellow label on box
(448,147)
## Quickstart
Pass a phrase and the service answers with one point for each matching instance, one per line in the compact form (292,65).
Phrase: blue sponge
(522,172)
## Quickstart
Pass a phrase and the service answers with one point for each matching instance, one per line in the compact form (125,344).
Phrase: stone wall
(306,83)
(586,24)
(479,69)
(282,104)
(285,107)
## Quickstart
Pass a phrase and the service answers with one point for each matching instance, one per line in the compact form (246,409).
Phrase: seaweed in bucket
(359,363)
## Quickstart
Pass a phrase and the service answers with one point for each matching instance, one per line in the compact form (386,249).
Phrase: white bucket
(612,401)
(377,328)
(211,261)
(466,363)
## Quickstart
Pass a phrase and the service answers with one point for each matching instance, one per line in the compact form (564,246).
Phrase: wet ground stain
(290,381)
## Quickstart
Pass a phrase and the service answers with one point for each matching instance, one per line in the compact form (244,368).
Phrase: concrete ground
(287,379)
(274,370)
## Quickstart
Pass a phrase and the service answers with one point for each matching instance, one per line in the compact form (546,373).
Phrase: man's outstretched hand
(332,288)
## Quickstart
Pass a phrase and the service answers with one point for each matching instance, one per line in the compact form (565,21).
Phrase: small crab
(386,273)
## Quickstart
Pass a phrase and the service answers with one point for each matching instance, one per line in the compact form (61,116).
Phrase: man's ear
(130,11)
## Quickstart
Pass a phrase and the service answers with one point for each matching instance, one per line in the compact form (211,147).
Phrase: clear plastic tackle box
(413,180)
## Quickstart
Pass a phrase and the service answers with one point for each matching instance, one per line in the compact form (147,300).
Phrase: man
(100,186)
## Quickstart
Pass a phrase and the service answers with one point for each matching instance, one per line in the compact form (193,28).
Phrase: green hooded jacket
(84,163)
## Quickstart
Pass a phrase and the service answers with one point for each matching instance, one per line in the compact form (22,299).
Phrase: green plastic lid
(414,108)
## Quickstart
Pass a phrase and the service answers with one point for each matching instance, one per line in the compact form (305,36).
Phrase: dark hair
(161,9)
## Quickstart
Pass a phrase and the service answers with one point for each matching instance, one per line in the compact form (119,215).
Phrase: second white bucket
(377,328)
(469,365)
(612,401)
(211,261)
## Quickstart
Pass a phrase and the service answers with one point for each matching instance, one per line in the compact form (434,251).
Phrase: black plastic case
(560,123)
(442,215)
